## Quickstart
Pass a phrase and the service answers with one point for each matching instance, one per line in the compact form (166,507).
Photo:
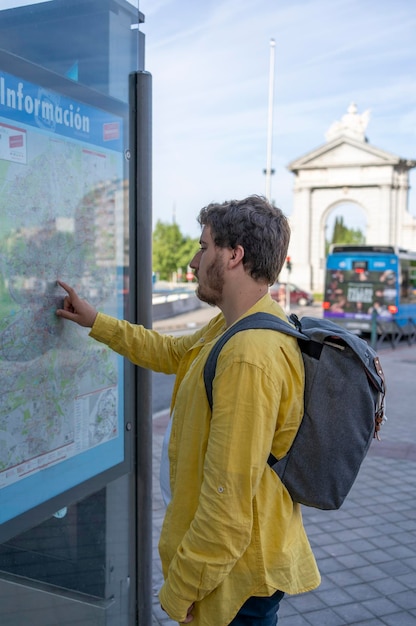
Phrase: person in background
(233,541)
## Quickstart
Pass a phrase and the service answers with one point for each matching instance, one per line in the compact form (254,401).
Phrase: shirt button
(220,489)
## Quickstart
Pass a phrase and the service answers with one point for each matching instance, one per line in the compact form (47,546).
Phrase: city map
(61,212)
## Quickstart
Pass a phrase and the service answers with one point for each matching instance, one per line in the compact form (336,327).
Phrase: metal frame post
(140,198)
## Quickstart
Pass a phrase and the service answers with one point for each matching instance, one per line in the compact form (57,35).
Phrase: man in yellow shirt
(233,541)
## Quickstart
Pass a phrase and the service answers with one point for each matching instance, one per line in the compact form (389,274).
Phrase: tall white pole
(269,170)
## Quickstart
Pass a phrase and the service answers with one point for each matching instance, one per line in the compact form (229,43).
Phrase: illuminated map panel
(61,217)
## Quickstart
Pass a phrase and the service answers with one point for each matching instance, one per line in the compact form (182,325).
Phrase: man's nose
(195,262)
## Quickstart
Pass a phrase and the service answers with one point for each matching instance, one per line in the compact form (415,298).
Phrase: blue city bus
(363,283)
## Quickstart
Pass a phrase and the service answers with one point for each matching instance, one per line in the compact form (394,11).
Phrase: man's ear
(237,256)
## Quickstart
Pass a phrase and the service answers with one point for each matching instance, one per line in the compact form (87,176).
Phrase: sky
(210,62)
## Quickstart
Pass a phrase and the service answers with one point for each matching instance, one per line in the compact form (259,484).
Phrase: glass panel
(65,455)
(67,550)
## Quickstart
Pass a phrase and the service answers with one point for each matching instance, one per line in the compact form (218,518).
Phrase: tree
(172,251)
(343,234)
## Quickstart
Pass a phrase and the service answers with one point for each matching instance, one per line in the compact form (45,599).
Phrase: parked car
(298,296)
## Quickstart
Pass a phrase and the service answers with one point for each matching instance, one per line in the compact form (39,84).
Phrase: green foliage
(343,234)
(172,251)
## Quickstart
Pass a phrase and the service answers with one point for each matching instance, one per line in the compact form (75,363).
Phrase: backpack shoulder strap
(256,320)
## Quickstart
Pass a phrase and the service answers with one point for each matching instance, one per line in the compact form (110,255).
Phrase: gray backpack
(344,407)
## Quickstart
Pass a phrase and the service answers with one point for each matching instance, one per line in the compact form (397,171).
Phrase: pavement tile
(334,597)
(320,539)
(394,516)
(352,613)
(358,521)
(389,586)
(332,526)
(370,532)
(370,573)
(338,549)
(400,619)
(325,617)
(380,606)
(378,508)
(353,560)
(387,528)
(352,535)
(376,556)
(330,565)
(401,551)
(409,524)
(395,568)
(406,599)
(362,592)
(384,541)
(408,580)
(344,578)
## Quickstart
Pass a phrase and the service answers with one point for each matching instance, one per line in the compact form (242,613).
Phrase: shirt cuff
(175,607)
(104,328)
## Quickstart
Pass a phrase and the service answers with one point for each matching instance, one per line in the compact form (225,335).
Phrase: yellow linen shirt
(231,529)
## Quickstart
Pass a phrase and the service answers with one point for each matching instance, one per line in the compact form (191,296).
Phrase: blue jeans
(258,611)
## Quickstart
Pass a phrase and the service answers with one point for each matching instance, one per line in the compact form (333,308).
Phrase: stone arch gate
(347,169)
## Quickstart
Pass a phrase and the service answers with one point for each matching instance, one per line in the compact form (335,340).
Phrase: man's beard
(211,291)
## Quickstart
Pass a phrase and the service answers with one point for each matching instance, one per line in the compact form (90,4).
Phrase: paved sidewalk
(366,551)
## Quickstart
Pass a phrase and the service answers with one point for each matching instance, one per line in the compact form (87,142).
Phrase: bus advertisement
(366,281)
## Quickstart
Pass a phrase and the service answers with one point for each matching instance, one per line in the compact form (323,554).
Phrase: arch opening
(345,220)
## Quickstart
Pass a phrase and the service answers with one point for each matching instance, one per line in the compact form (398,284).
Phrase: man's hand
(189,617)
(76,309)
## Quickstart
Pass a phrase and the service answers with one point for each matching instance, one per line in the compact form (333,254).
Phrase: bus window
(408,282)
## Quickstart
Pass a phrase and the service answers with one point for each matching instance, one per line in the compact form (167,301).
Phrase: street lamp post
(269,171)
